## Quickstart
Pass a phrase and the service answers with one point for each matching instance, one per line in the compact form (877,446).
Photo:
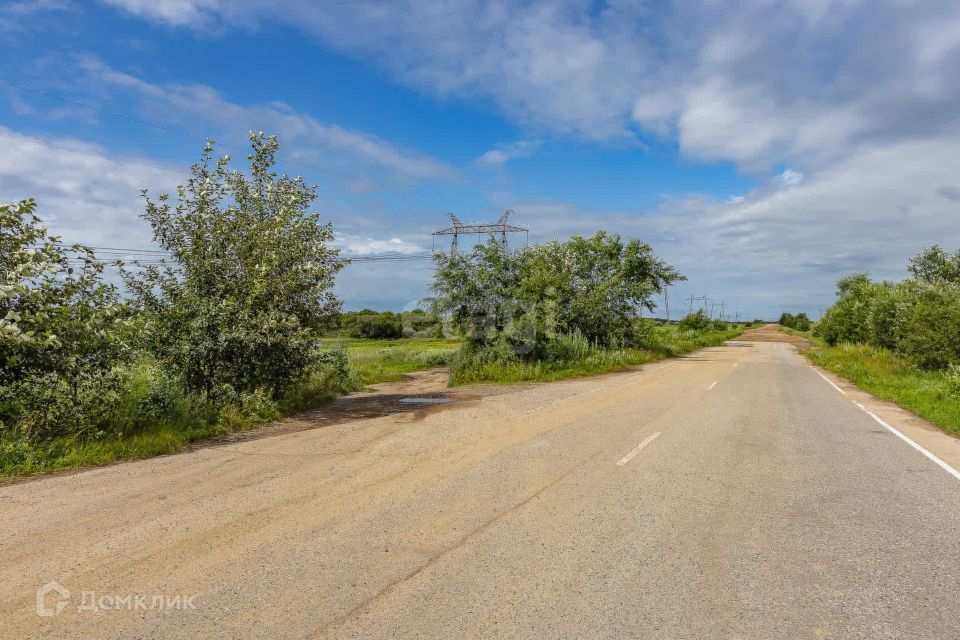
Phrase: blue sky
(762,149)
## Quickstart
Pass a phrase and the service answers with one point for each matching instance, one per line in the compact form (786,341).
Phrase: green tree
(934,265)
(63,333)
(478,291)
(847,320)
(592,287)
(931,327)
(787,320)
(248,287)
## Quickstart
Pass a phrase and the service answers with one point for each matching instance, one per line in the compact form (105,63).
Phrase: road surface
(734,493)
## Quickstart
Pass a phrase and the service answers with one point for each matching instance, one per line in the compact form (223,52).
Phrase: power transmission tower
(702,299)
(498,231)
(666,299)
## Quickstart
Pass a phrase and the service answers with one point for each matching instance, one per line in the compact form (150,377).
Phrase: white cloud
(806,82)
(791,178)
(173,12)
(503,153)
(357,245)
(87,194)
(782,246)
(859,99)
(305,139)
(83,192)
(13,14)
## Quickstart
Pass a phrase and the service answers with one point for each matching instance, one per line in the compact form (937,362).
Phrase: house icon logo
(60,601)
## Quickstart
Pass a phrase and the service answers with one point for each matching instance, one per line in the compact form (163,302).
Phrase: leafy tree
(478,290)
(846,320)
(787,320)
(592,287)
(248,287)
(63,332)
(931,327)
(935,266)
(376,325)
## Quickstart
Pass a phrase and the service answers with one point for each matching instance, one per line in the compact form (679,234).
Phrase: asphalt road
(734,493)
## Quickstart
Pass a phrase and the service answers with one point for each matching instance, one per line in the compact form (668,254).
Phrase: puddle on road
(424,400)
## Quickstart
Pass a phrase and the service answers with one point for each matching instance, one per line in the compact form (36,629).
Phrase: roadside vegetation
(379,325)
(799,322)
(219,334)
(234,323)
(560,309)
(372,361)
(899,340)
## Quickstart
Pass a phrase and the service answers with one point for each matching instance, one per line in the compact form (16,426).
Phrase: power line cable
(114,114)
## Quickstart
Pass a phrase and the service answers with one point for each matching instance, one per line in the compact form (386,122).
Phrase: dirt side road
(731,493)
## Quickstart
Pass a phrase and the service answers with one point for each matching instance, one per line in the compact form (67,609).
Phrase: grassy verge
(148,423)
(156,417)
(665,342)
(373,361)
(800,334)
(933,396)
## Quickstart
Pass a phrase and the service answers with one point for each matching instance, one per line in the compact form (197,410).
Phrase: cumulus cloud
(859,99)
(784,246)
(84,193)
(754,83)
(88,194)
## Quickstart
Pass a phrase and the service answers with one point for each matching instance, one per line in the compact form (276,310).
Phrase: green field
(373,361)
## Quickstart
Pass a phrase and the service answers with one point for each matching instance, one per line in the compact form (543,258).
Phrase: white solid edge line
(829,381)
(625,459)
(710,388)
(940,463)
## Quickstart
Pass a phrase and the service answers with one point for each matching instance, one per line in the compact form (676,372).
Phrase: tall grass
(373,361)
(574,356)
(155,415)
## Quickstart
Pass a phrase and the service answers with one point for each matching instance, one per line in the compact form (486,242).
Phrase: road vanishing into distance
(734,493)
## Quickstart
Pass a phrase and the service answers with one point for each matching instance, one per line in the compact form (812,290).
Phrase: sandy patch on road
(772,333)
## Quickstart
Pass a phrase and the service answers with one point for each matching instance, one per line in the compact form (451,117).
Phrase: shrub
(917,318)
(931,327)
(64,336)
(696,322)
(248,289)
(587,286)
(376,325)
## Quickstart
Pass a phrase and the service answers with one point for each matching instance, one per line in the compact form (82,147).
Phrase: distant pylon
(498,230)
